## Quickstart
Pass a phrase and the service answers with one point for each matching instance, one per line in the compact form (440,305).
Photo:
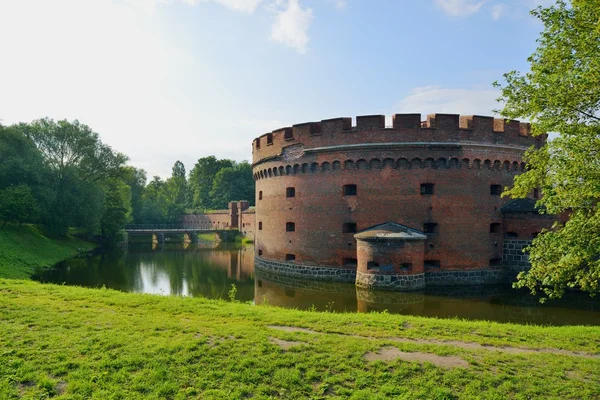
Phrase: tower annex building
(418,203)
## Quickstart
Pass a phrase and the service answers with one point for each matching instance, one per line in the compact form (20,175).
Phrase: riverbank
(27,249)
(96,343)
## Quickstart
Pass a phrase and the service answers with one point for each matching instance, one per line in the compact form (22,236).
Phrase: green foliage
(136,180)
(17,204)
(165,201)
(201,180)
(232,183)
(561,94)
(232,292)
(26,249)
(21,162)
(95,343)
(117,210)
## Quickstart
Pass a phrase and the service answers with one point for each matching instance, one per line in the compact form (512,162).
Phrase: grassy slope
(23,250)
(97,343)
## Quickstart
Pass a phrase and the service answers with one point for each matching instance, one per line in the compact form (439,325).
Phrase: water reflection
(170,269)
(198,270)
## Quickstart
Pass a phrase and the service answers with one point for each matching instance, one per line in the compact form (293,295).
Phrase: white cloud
(499,10)
(239,5)
(291,25)
(150,6)
(340,4)
(459,8)
(437,99)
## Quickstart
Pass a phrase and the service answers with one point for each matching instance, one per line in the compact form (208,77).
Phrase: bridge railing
(167,227)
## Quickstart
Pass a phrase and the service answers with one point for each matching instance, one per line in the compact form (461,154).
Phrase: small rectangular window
(405,266)
(349,190)
(260,225)
(260,252)
(349,262)
(290,257)
(430,227)
(290,227)
(426,188)
(495,190)
(372,265)
(290,192)
(269,139)
(495,227)
(349,227)
(431,264)
(288,134)
(258,143)
(260,195)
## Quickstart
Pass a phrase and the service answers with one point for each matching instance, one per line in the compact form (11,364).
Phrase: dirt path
(455,343)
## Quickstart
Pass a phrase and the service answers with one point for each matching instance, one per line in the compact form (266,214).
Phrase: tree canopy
(561,93)
(61,175)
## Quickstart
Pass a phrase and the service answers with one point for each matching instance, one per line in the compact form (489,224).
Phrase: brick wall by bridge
(238,216)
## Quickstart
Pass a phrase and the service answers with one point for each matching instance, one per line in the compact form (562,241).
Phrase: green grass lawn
(81,343)
(24,250)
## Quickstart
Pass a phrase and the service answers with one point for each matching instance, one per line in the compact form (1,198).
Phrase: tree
(17,205)
(561,93)
(201,180)
(178,186)
(21,162)
(233,183)
(136,179)
(117,210)
(78,163)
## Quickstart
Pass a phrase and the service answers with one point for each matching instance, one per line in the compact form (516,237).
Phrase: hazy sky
(162,80)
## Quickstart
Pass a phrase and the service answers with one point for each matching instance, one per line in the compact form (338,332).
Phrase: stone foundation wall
(514,259)
(519,262)
(390,282)
(477,277)
(315,272)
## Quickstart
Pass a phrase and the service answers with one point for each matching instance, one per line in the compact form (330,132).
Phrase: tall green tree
(78,162)
(153,203)
(21,161)
(233,183)
(17,205)
(561,93)
(201,180)
(117,210)
(136,180)
(178,185)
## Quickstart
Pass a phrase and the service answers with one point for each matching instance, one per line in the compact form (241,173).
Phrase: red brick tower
(319,183)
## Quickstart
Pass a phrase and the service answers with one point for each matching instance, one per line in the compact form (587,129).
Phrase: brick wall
(301,171)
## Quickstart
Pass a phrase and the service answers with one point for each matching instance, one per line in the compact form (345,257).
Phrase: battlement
(405,128)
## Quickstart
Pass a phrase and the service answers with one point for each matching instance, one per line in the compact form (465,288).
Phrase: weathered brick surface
(238,216)
(525,225)
(461,155)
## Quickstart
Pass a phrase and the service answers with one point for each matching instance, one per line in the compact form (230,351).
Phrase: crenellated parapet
(513,167)
(405,128)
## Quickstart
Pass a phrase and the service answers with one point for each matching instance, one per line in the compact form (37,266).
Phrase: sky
(168,80)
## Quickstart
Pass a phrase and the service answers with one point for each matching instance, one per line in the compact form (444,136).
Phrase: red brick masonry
(319,183)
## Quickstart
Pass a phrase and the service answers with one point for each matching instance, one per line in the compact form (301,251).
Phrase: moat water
(208,271)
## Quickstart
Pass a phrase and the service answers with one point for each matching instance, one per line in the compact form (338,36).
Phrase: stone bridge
(188,233)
